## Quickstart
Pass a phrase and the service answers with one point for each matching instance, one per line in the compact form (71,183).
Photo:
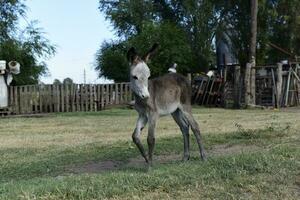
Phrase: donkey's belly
(167,109)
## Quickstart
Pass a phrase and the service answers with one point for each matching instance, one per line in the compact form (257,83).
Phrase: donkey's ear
(132,56)
(151,52)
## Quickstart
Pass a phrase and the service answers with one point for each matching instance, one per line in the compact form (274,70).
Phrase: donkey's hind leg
(151,136)
(183,124)
(140,124)
(195,128)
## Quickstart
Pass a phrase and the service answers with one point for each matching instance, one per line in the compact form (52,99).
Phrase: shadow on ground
(139,163)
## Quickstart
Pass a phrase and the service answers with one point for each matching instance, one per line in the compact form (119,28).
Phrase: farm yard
(252,154)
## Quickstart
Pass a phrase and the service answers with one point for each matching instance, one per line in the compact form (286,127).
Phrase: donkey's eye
(135,77)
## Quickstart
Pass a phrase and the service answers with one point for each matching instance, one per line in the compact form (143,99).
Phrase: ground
(252,154)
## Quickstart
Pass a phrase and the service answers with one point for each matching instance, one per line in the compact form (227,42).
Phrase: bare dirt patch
(291,109)
(225,149)
(94,167)
(139,163)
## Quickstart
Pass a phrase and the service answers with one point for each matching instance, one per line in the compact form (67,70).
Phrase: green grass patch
(222,178)
(251,155)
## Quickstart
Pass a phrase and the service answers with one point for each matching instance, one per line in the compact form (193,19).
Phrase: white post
(5,80)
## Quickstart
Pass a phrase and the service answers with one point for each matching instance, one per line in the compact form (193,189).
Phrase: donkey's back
(169,92)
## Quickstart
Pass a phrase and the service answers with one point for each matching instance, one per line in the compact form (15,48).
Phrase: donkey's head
(139,71)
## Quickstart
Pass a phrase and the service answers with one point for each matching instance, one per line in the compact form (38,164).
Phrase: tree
(111,61)
(139,23)
(277,22)
(254,4)
(201,21)
(57,82)
(67,81)
(27,46)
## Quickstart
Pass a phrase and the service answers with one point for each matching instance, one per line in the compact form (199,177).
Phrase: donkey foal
(168,94)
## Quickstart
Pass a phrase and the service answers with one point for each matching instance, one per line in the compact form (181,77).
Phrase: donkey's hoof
(149,167)
(203,157)
(185,158)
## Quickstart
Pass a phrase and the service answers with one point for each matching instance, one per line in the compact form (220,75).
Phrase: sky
(78,29)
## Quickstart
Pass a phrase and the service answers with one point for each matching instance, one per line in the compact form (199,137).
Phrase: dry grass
(76,130)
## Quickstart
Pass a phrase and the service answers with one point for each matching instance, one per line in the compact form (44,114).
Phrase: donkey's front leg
(151,135)
(140,124)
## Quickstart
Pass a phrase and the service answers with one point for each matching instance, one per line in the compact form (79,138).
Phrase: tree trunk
(254,9)
(252,56)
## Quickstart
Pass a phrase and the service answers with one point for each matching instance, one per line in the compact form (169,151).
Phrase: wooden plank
(86,102)
(112,98)
(11,97)
(274,95)
(107,94)
(91,98)
(28,106)
(35,102)
(51,98)
(72,98)
(210,91)
(253,85)
(116,86)
(121,93)
(31,99)
(288,88)
(247,82)
(40,99)
(81,98)
(95,98)
(67,94)
(102,96)
(16,100)
(126,93)
(98,97)
(58,104)
(77,90)
(205,91)
(237,99)
(62,98)
(22,99)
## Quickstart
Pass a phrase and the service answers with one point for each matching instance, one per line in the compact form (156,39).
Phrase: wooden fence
(207,91)
(31,99)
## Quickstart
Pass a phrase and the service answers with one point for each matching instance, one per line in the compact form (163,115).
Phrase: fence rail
(31,99)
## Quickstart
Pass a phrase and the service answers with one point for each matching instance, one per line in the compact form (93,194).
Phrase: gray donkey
(168,94)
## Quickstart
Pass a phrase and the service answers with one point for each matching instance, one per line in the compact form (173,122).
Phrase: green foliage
(278,23)
(111,61)
(195,24)
(184,35)
(68,81)
(284,28)
(56,82)
(28,46)
(173,47)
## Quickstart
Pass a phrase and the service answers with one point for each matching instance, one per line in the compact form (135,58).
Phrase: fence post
(17,96)
(247,84)
(279,85)
(237,75)
(117,94)
(253,84)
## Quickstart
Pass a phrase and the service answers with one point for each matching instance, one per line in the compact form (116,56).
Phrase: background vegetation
(26,45)
(187,31)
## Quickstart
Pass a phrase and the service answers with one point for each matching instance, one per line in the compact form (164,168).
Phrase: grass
(253,154)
